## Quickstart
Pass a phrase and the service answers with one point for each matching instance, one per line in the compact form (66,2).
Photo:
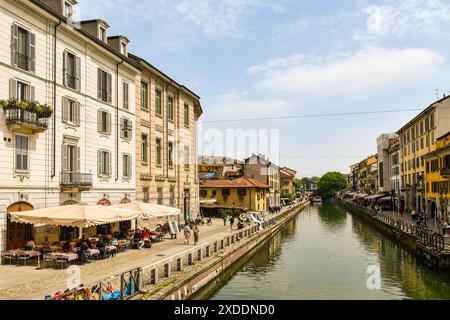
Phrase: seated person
(46,243)
(101,246)
(88,243)
(114,241)
(67,247)
(30,244)
(84,254)
(138,240)
(78,243)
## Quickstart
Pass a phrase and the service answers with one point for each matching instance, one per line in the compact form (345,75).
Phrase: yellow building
(244,194)
(437,169)
(417,138)
(287,182)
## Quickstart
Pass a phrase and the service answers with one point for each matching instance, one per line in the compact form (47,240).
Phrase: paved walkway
(28,283)
(431,224)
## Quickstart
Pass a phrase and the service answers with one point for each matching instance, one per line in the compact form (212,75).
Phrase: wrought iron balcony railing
(26,119)
(76,180)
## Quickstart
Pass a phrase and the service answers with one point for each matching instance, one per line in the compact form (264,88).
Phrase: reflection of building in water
(290,228)
(275,245)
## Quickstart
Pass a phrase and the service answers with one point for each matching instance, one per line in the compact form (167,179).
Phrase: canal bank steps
(419,240)
(180,277)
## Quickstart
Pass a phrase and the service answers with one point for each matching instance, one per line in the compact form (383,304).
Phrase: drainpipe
(54,102)
(117,119)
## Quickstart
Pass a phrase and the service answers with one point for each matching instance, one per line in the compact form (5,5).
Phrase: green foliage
(331,183)
(42,110)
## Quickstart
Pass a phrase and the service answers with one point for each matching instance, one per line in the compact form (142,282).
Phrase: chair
(62,261)
(7,255)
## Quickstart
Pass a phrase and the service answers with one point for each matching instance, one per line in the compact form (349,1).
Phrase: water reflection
(324,254)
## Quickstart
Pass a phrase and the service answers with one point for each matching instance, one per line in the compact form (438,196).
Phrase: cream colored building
(166,141)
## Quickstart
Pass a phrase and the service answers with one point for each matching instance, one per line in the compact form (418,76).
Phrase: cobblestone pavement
(28,283)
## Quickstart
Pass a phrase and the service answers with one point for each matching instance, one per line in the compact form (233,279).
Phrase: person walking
(187,233)
(224,218)
(444,227)
(231,223)
(196,234)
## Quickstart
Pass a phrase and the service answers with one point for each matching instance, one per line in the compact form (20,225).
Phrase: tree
(331,183)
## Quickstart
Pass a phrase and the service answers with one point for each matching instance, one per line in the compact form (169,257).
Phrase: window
(104,163)
(186,157)
(123,47)
(72,74)
(70,158)
(172,196)
(23,48)
(432,121)
(23,91)
(146,195)
(160,195)
(225,193)
(432,138)
(214,193)
(203,193)
(104,84)
(104,122)
(421,127)
(158,108)
(170,154)
(126,166)
(126,95)
(242,192)
(70,111)
(144,148)
(126,128)
(170,112)
(144,95)
(158,151)
(186,115)
(103,34)
(21,151)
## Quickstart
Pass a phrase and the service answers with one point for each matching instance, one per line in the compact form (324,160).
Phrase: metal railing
(76,179)
(20,116)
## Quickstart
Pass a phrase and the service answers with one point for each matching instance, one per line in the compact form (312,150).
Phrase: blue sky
(261,58)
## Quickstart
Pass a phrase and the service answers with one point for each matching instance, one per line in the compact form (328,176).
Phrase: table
(60,257)
(23,255)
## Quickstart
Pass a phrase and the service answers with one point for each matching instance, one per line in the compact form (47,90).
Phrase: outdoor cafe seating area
(152,224)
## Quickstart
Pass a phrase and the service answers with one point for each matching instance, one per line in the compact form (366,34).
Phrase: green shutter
(99,120)
(77,73)
(109,164)
(77,113)
(64,162)
(99,84)
(109,88)
(130,167)
(65,110)
(99,162)
(78,160)
(31,52)
(65,59)
(108,123)
(12,88)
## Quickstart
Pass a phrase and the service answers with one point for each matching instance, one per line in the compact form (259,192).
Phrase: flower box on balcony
(26,116)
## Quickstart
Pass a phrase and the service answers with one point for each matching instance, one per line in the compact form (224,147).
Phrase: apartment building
(81,149)
(264,171)
(383,145)
(393,154)
(417,138)
(166,141)
(287,181)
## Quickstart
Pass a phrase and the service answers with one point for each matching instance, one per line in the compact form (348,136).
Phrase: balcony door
(70,163)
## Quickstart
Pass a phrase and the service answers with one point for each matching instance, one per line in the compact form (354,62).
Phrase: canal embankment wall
(419,241)
(182,277)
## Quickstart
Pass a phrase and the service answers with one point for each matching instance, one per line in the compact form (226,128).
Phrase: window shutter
(78,73)
(14,45)
(64,164)
(99,162)
(77,113)
(78,160)
(65,110)
(125,95)
(12,88)
(99,120)
(31,52)
(99,83)
(122,127)
(130,161)
(108,123)
(109,165)
(65,59)
(109,88)
(30,93)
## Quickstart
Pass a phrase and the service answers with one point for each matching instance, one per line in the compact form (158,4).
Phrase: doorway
(18,233)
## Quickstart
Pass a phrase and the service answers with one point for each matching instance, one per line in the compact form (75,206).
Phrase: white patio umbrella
(150,210)
(83,216)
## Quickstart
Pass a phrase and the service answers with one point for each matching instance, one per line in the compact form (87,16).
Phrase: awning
(83,216)
(150,210)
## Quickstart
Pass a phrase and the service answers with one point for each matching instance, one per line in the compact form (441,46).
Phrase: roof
(242,182)
(431,106)
(95,21)
(63,19)
(285,175)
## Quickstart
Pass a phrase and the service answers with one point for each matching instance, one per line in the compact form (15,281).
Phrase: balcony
(445,173)
(79,181)
(25,121)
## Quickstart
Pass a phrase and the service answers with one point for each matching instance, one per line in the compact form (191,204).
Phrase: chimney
(97,28)
(120,44)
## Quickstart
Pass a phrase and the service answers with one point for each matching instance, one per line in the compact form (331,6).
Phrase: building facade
(383,144)
(418,138)
(243,193)
(84,151)
(437,175)
(166,141)
(393,153)
(264,171)
(287,182)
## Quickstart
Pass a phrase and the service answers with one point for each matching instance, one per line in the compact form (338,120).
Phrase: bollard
(180,264)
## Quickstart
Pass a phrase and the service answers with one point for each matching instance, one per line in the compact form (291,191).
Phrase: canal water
(325,254)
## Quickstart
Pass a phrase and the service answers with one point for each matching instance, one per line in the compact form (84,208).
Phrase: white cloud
(177,22)
(400,17)
(357,75)
(278,63)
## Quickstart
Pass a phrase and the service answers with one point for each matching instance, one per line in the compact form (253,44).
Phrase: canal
(325,253)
